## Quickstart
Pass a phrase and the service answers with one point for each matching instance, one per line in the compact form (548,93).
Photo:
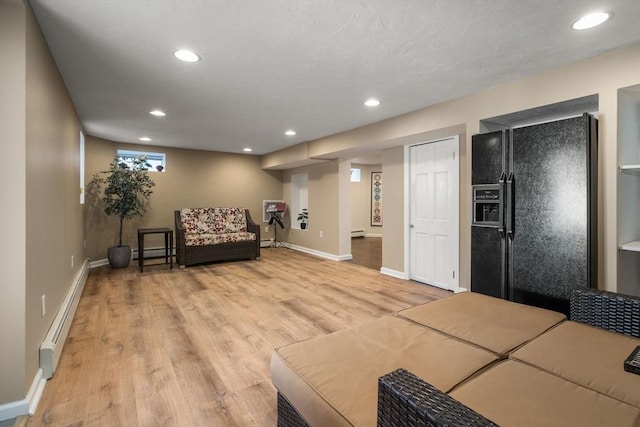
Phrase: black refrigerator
(534,219)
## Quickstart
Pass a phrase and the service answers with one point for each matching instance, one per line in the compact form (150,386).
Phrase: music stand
(275,210)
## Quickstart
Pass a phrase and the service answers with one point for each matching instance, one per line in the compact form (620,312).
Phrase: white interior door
(434,203)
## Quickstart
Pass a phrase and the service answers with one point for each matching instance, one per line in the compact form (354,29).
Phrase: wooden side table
(168,244)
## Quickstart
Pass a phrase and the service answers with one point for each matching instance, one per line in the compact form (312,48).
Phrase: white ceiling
(268,66)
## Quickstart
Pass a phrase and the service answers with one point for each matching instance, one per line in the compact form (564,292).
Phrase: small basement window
(156,160)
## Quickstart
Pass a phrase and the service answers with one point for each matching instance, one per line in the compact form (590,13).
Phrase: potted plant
(303,217)
(126,196)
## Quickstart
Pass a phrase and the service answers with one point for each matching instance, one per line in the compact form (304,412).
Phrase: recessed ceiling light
(591,20)
(372,102)
(290,132)
(144,138)
(186,55)
(247,150)
(157,113)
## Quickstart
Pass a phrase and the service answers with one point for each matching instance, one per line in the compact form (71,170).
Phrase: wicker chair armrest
(406,400)
(180,242)
(178,223)
(607,310)
(252,227)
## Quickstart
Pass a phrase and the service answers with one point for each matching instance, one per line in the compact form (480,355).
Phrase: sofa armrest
(406,400)
(180,242)
(252,227)
(606,310)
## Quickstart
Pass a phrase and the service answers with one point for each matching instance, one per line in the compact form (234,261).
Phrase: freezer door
(488,262)
(487,157)
(549,239)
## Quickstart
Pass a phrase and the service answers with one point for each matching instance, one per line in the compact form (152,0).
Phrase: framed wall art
(376,199)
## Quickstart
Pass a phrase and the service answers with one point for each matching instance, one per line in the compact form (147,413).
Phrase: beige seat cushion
(585,355)
(333,380)
(489,322)
(514,394)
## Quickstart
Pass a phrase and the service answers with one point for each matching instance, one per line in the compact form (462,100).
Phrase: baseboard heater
(357,233)
(51,348)
(265,243)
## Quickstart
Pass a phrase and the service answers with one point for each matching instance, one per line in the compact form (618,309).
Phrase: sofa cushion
(213,220)
(196,220)
(333,380)
(586,355)
(514,394)
(492,323)
(214,239)
(229,220)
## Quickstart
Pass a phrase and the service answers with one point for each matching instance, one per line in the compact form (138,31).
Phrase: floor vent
(51,348)
(357,233)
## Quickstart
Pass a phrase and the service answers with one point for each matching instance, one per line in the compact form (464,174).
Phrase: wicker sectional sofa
(469,359)
(215,234)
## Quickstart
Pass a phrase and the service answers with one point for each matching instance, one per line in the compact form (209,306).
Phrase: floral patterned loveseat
(215,234)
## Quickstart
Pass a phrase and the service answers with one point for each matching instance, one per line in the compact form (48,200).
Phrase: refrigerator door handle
(501,194)
(510,206)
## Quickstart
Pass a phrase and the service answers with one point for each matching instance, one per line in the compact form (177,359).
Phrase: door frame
(407,209)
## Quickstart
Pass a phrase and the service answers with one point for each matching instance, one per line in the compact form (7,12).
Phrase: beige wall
(602,75)
(323,209)
(327,205)
(393,242)
(361,201)
(13,212)
(43,216)
(192,178)
(54,212)
(344,210)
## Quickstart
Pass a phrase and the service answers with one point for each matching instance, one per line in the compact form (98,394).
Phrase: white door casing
(434,213)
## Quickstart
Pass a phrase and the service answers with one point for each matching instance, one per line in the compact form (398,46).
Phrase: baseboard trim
(28,405)
(35,393)
(394,273)
(320,254)
(98,263)
(159,252)
(155,252)
(373,235)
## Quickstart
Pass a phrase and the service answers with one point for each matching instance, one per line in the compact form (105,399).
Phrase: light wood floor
(191,347)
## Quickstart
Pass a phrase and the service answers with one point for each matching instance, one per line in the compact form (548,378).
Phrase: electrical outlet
(71,261)
(321,234)
(266,228)
(43,305)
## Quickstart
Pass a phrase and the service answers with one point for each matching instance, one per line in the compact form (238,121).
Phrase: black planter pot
(303,225)
(119,256)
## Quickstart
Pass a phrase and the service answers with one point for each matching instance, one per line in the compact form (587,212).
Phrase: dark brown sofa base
(190,255)
(222,252)
(406,400)
(606,310)
(287,414)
